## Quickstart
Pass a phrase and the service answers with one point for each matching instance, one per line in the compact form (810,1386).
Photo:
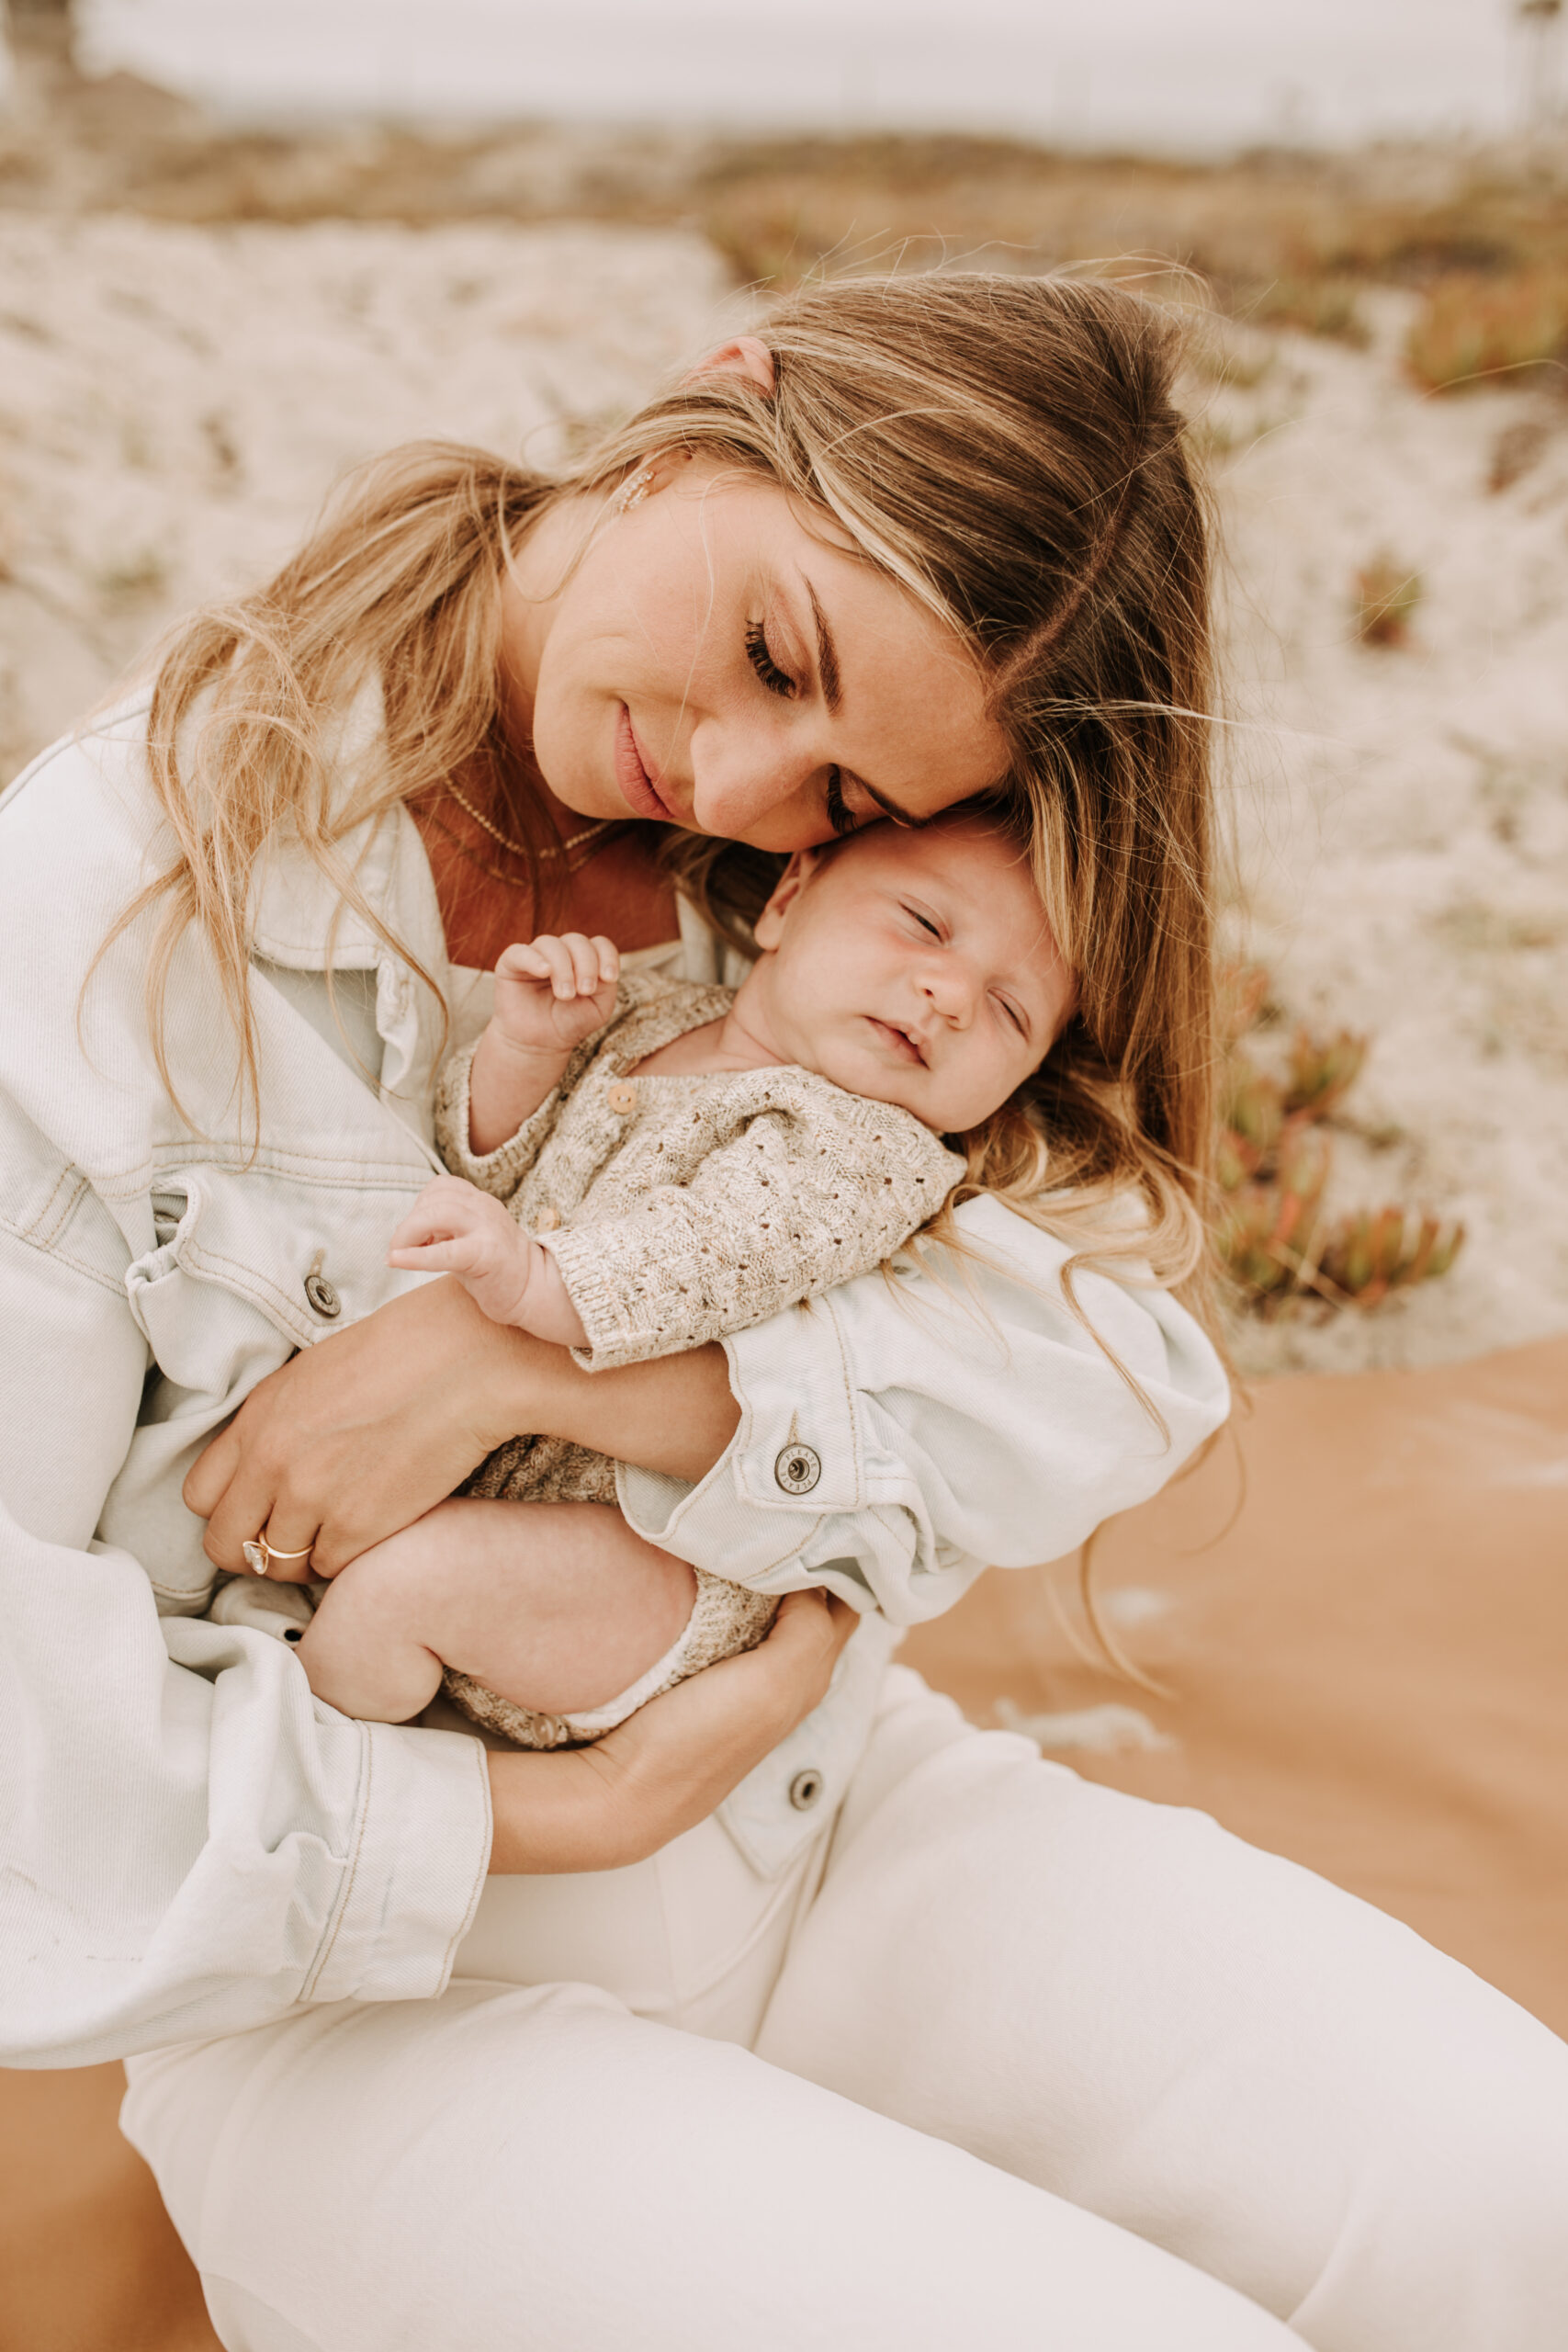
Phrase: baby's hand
(551,993)
(453,1229)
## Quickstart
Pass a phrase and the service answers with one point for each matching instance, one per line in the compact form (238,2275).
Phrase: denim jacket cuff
(416,1876)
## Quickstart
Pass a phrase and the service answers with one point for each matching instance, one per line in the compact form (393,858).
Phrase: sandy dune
(175,401)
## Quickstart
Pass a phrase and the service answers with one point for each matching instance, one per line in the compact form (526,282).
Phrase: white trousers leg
(518,2168)
(1023,2035)
(1199,2042)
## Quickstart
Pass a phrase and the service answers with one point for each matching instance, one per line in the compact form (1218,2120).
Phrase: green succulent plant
(1273,1160)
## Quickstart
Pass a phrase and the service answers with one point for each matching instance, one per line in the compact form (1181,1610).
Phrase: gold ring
(259,1555)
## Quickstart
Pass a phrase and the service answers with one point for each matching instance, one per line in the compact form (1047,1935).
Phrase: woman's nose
(748,782)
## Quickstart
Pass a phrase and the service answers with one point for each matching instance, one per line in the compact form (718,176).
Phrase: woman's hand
(369,1428)
(668,1766)
(361,1434)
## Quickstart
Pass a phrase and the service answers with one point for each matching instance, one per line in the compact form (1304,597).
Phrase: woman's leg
(503,2166)
(1209,2046)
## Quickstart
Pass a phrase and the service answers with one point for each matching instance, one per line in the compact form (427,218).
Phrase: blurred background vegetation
(1281,237)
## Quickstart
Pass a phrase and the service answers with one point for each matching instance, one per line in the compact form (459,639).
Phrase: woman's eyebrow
(891,807)
(834,695)
(826,654)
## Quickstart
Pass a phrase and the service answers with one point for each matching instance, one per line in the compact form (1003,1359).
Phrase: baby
(643,1165)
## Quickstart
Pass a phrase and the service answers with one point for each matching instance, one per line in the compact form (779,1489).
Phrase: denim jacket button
(322,1297)
(797,1469)
(805,1789)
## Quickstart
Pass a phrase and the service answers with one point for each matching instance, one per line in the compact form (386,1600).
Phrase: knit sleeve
(798,1198)
(498,1171)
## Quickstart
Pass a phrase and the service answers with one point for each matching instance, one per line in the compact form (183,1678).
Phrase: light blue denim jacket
(189,1843)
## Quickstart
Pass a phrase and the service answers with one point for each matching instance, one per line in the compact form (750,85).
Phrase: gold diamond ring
(259,1555)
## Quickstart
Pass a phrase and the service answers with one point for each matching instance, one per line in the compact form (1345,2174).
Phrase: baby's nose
(950,992)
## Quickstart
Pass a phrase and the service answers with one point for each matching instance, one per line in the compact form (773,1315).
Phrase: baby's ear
(747,357)
(768,928)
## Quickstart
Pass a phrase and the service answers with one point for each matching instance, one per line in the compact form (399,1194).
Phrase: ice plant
(1273,1160)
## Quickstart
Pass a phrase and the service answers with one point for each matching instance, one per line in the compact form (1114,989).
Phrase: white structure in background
(1541,27)
(1209,75)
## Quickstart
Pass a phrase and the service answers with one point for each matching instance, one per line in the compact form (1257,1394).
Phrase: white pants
(1030,2064)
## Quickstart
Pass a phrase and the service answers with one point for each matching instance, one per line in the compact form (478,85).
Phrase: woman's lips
(637,787)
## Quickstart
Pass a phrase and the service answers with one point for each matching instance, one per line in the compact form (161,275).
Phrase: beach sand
(176,400)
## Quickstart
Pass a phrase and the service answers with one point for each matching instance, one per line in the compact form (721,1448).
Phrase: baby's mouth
(899,1041)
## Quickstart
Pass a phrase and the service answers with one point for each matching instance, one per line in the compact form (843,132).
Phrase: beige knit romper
(679,1208)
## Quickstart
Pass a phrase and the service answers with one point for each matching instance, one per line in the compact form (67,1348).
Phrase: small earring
(633,491)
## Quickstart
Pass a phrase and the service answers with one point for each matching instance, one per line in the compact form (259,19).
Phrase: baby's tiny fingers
(584,962)
(427,1257)
(609,961)
(522,961)
(557,958)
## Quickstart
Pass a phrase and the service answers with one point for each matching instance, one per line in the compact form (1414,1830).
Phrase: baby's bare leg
(556,1606)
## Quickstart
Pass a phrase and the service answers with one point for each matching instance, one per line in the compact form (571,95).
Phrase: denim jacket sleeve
(895,1439)
(189,1843)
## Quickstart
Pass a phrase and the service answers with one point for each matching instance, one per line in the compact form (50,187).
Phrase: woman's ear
(768,928)
(747,357)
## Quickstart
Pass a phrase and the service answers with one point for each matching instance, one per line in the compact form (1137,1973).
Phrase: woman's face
(714,662)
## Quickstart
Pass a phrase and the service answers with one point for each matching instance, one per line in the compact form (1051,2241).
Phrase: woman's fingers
(366,1430)
(666,1768)
(210,1473)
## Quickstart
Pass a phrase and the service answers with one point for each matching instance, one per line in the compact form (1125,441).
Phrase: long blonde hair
(1008,450)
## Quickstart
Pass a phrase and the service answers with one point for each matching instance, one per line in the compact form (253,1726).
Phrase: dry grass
(1386,597)
(1475,329)
(1282,240)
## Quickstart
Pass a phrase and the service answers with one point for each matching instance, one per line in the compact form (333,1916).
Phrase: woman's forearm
(371,1428)
(675,1414)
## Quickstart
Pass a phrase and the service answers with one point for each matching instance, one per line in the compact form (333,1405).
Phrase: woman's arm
(190,1845)
(374,1426)
(901,1437)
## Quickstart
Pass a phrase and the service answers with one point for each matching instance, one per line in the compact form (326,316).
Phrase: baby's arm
(796,1201)
(549,995)
(559,1607)
(453,1229)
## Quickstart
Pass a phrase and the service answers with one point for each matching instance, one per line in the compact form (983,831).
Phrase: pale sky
(1190,75)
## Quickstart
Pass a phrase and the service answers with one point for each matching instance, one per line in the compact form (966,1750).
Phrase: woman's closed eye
(760,654)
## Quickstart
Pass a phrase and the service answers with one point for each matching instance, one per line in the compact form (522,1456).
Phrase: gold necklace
(521,848)
(472,856)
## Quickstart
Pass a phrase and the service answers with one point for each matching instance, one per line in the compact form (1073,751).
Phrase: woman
(917,2040)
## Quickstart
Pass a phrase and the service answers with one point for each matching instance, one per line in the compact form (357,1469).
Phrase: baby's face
(914,967)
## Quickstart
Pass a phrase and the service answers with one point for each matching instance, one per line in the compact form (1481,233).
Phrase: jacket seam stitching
(113,1284)
(315,1978)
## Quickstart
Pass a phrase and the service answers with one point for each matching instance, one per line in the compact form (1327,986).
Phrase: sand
(1403,815)
(175,401)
